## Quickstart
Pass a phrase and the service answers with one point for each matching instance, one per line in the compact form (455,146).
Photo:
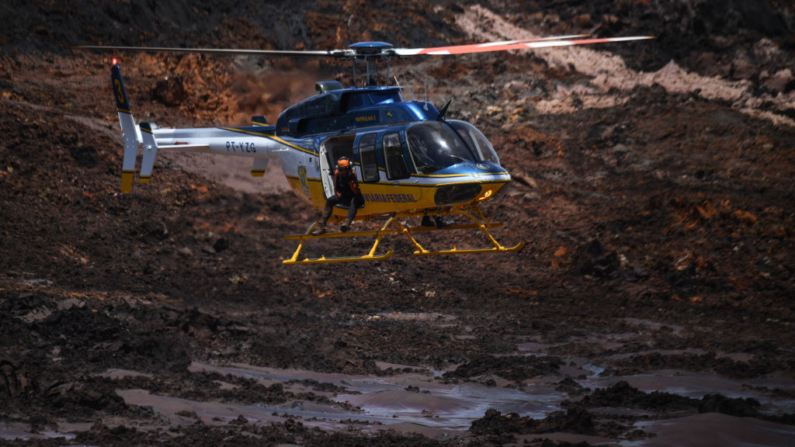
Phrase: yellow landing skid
(481,224)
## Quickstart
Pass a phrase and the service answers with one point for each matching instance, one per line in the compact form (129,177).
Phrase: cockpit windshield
(435,146)
(475,140)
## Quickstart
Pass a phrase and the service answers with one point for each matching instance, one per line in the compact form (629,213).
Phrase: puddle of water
(310,414)
(225,385)
(593,369)
(533,348)
(694,385)
(216,413)
(17,431)
(421,403)
(455,407)
(565,437)
(116,374)
(734,356)
(692,351)
(653,325)
(425,317)
(698,385)
(273,374)
(387,400)
(605,342)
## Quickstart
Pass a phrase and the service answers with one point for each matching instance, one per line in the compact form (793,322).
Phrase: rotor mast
(370,53)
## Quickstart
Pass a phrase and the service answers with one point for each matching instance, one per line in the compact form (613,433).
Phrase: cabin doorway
(330,151)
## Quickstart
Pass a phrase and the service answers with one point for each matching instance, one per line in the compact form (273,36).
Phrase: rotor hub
(366,50)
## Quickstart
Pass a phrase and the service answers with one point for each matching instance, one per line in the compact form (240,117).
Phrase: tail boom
(256,141)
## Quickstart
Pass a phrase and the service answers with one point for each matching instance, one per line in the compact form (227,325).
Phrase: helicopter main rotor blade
(383,50)
(479,47)
(512,45)
(328,53)
(223,51)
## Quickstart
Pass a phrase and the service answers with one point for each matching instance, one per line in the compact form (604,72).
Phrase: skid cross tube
(480,223)
(324,260)
(483,225)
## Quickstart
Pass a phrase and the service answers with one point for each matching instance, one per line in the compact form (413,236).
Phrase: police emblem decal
(302,179)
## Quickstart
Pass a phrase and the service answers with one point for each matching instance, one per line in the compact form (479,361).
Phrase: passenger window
(393,154)
(367,158)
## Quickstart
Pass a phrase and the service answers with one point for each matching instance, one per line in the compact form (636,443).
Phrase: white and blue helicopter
(410,160)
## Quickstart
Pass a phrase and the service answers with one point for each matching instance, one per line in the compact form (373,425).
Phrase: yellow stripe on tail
(127,181)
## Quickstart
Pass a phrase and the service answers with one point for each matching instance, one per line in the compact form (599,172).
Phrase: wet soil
(652,303)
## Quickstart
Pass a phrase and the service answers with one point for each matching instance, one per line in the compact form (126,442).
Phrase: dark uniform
(347,193)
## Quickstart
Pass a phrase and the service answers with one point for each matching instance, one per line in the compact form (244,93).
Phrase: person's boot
(320,228)
(440,222)
(346,226)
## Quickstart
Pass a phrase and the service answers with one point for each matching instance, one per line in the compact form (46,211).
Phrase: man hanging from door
(346,192)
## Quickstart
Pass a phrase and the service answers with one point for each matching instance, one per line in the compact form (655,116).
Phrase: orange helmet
(343,163)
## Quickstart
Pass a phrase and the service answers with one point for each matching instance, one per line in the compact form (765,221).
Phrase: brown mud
(652,184)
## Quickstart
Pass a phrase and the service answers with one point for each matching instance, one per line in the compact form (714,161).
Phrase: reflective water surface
(422,402)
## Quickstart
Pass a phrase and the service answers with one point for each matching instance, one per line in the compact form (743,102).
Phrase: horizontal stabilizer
(259,121)
(150,152)
(259,166)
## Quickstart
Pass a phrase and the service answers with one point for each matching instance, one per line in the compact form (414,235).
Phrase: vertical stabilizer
(130,135)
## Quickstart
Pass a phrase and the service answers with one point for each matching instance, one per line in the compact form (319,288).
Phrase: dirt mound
(573,421)
(622,395)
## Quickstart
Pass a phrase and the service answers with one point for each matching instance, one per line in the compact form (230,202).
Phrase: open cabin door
(330,151)
(325,177)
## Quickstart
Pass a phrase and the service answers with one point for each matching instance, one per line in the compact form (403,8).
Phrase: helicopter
(410,160)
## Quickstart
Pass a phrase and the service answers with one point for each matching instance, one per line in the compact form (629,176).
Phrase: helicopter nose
(490,167)
(461,193)
(486,181)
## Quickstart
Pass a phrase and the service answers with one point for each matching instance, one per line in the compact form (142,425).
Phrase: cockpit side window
(393,154)
(367,158)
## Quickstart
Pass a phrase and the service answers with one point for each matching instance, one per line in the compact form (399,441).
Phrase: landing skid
(392,226)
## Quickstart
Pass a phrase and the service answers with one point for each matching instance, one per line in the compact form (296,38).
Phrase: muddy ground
(653,184)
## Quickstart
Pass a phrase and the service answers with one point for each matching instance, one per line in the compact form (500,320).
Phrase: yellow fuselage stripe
(387,198)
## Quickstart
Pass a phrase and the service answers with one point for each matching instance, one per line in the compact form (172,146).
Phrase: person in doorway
(346,192)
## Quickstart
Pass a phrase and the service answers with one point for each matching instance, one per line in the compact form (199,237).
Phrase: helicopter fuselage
(407,158)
